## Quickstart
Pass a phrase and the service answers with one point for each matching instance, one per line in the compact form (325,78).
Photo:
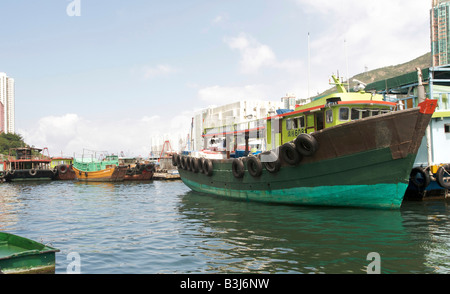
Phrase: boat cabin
(27,158)
(324,112)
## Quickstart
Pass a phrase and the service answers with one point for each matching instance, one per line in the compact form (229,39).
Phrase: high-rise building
(7,115)
(440,32)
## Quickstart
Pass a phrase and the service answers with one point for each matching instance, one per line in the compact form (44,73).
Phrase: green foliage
(8,141)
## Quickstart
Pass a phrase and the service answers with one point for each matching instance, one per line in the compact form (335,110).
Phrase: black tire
(443,176)
(237,167)
(149,167)
(419,177)
(201,163)
(254,166)
(289,154)
(174,159)
(208,167)
(183,162)
(194,164)
(62,168)
(306,144)
(271,161)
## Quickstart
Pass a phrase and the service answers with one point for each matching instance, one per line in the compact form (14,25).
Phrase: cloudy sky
(120,75)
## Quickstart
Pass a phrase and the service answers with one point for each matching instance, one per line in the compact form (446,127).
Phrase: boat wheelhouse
(323,112)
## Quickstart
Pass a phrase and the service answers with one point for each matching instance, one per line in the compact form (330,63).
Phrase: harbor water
(162,227)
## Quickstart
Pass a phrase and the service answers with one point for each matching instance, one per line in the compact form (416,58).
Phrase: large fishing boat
(27,163)
(343,149)
(103,169)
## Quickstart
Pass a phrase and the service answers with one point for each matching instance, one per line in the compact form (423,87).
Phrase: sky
(120,76)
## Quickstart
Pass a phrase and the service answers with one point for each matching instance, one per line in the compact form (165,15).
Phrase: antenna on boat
(346,62)
(309,65)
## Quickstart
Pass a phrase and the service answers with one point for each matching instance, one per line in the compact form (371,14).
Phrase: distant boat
(19,255)
(343,149)
(91,169)
(62,167)
(27,164)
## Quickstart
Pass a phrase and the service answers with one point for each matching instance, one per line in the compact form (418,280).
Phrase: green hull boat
(361,163)
(20,255)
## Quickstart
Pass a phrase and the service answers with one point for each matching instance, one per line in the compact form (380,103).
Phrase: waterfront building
(7,100)
(440,32)
(233,114)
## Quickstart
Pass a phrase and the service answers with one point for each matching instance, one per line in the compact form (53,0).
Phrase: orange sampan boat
(91,169)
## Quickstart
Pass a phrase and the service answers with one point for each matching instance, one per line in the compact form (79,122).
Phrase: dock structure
(430,177)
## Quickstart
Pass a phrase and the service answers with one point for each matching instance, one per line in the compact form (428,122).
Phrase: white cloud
(255,56)
(224,95)
(377,34)
(69,133)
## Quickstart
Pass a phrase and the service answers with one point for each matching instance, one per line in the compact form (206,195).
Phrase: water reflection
(252,237)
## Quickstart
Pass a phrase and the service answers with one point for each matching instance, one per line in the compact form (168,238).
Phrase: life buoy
(208,167)
(11,172)
(32,172)
(306,144)
(419,177)
(62,169)
(237,167)
(174,159)
(254,166)
(443,176)
(289,154)
(271,161)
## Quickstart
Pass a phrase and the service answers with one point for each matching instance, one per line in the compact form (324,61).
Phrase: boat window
(355,114)
(302,121)
(329,116)
(295,123)
(344,113)
(375,112)
(365,113)
(288,124)
(447,128)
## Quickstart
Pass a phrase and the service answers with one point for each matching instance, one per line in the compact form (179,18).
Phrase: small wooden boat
(62,168)
(19,255)
(140,172)
(90,169)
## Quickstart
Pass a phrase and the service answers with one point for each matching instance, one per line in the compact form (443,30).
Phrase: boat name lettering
(296,132)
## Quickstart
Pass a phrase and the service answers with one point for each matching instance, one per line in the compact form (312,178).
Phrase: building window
(447,128)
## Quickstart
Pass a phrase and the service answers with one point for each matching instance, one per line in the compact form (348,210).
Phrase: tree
(8,141)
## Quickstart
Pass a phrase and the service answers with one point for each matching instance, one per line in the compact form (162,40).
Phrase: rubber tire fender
(290,154)
(254,166)
(444,169)
(424,175)
(208,167)
(274,165)
(237,167)
(306,144)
